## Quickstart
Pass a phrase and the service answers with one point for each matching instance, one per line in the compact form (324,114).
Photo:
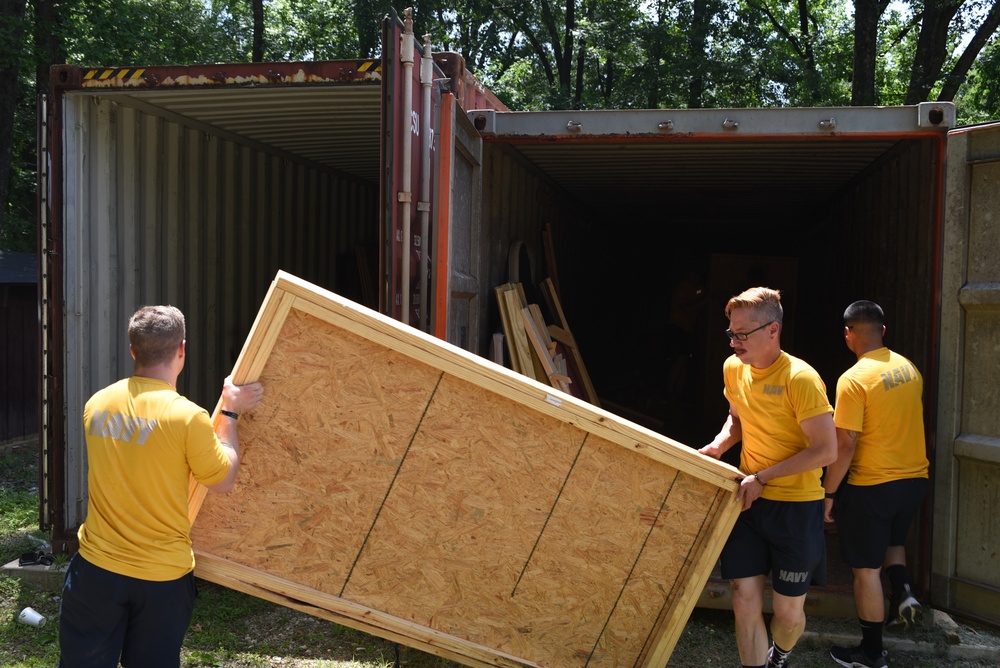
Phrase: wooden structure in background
(566,344)
(402,486)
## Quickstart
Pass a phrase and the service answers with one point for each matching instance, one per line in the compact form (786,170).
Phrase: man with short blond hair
(129,592)
(779,410)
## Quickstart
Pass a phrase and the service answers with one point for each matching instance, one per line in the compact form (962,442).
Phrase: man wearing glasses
(879,478)
(778,408)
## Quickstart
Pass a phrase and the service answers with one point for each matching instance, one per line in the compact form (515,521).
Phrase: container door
(966,541)
(457,228)
(401,243)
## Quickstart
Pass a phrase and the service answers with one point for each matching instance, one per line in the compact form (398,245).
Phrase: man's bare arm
(730,434)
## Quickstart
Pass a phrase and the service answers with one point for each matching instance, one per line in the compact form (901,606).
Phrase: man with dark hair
(778,408)
(879,479)
(129,591)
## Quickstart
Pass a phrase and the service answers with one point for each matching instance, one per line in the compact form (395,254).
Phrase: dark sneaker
(904,612)
(776,663)
(854,657)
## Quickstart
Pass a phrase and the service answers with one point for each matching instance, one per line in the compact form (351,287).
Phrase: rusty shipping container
(403,184)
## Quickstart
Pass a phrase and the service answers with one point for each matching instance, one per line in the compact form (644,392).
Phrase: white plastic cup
(31,617)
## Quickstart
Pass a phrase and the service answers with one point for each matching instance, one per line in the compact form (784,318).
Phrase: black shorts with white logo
(782,539)
(870,518)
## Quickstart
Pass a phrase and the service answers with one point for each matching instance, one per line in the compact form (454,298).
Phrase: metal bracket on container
(936,115)
(484,120)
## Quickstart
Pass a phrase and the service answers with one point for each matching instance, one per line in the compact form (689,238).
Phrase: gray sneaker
(854,657)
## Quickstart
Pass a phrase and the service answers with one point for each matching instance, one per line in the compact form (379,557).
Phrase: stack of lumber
(402,486)
(545,352)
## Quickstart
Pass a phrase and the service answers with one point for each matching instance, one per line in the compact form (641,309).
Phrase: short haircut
(155,333)
(866,314)
(764,305)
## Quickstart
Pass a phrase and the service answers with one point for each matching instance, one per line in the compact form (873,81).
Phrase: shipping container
(403,184)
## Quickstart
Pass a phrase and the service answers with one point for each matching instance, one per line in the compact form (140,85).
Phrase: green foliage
(624,53)
(151,32)
(18,500)
(309,30)
(18,511)
(978,100)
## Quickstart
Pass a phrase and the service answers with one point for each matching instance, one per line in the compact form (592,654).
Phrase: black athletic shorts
(783,539)
(872,518)
(104,616)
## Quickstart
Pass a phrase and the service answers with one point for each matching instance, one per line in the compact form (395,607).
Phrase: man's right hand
(711,450)
(240,398)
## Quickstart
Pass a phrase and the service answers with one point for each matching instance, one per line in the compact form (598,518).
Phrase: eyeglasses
(743,336)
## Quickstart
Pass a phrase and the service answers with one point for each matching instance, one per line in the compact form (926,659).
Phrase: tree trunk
(808,53)
(567,58)
(581,57)
(956,77)
(932,45)
(697,38)
(12,15)
(367,24)
(563,51)
(866,16)
(49,46)
(258,31)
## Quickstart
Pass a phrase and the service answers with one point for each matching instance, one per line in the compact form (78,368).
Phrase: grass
(233,630)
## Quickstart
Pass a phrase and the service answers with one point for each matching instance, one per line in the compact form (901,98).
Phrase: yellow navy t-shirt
(771,403)
(880,397)
(144,441)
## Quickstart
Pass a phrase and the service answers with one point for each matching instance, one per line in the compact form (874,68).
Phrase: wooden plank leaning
(561,333)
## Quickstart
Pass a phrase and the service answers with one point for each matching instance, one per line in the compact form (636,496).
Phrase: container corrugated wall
(155,211)
(887,227)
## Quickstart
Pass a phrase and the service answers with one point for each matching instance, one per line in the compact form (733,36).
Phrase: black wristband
(831,495)
(235,416)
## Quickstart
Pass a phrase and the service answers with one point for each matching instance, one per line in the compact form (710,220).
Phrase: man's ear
(182,351)
(131,351)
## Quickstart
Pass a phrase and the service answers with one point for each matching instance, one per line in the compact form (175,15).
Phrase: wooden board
(560,332)
(399,485)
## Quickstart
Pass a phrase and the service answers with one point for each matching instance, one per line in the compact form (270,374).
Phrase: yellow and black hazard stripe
(118,73)
(369,66)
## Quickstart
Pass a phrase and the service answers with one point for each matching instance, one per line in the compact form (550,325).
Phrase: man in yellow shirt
(879,479)
(129,591)
(779,409)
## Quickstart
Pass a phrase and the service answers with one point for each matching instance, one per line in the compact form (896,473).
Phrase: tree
(959,72)
(533,55)
(12,14)
(866,22)
(257,9)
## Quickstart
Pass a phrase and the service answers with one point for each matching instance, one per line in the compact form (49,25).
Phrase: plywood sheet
(397,484)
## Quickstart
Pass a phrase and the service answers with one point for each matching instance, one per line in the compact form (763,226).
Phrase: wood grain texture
(394,483)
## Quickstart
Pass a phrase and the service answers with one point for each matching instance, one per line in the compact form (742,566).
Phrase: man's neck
(159,372)
(769,360)
(865,347)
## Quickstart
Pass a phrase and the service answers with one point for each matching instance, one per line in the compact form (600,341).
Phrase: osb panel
(415,490)
(319,455)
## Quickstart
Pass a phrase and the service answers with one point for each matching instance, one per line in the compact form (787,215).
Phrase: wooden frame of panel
(402,486)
